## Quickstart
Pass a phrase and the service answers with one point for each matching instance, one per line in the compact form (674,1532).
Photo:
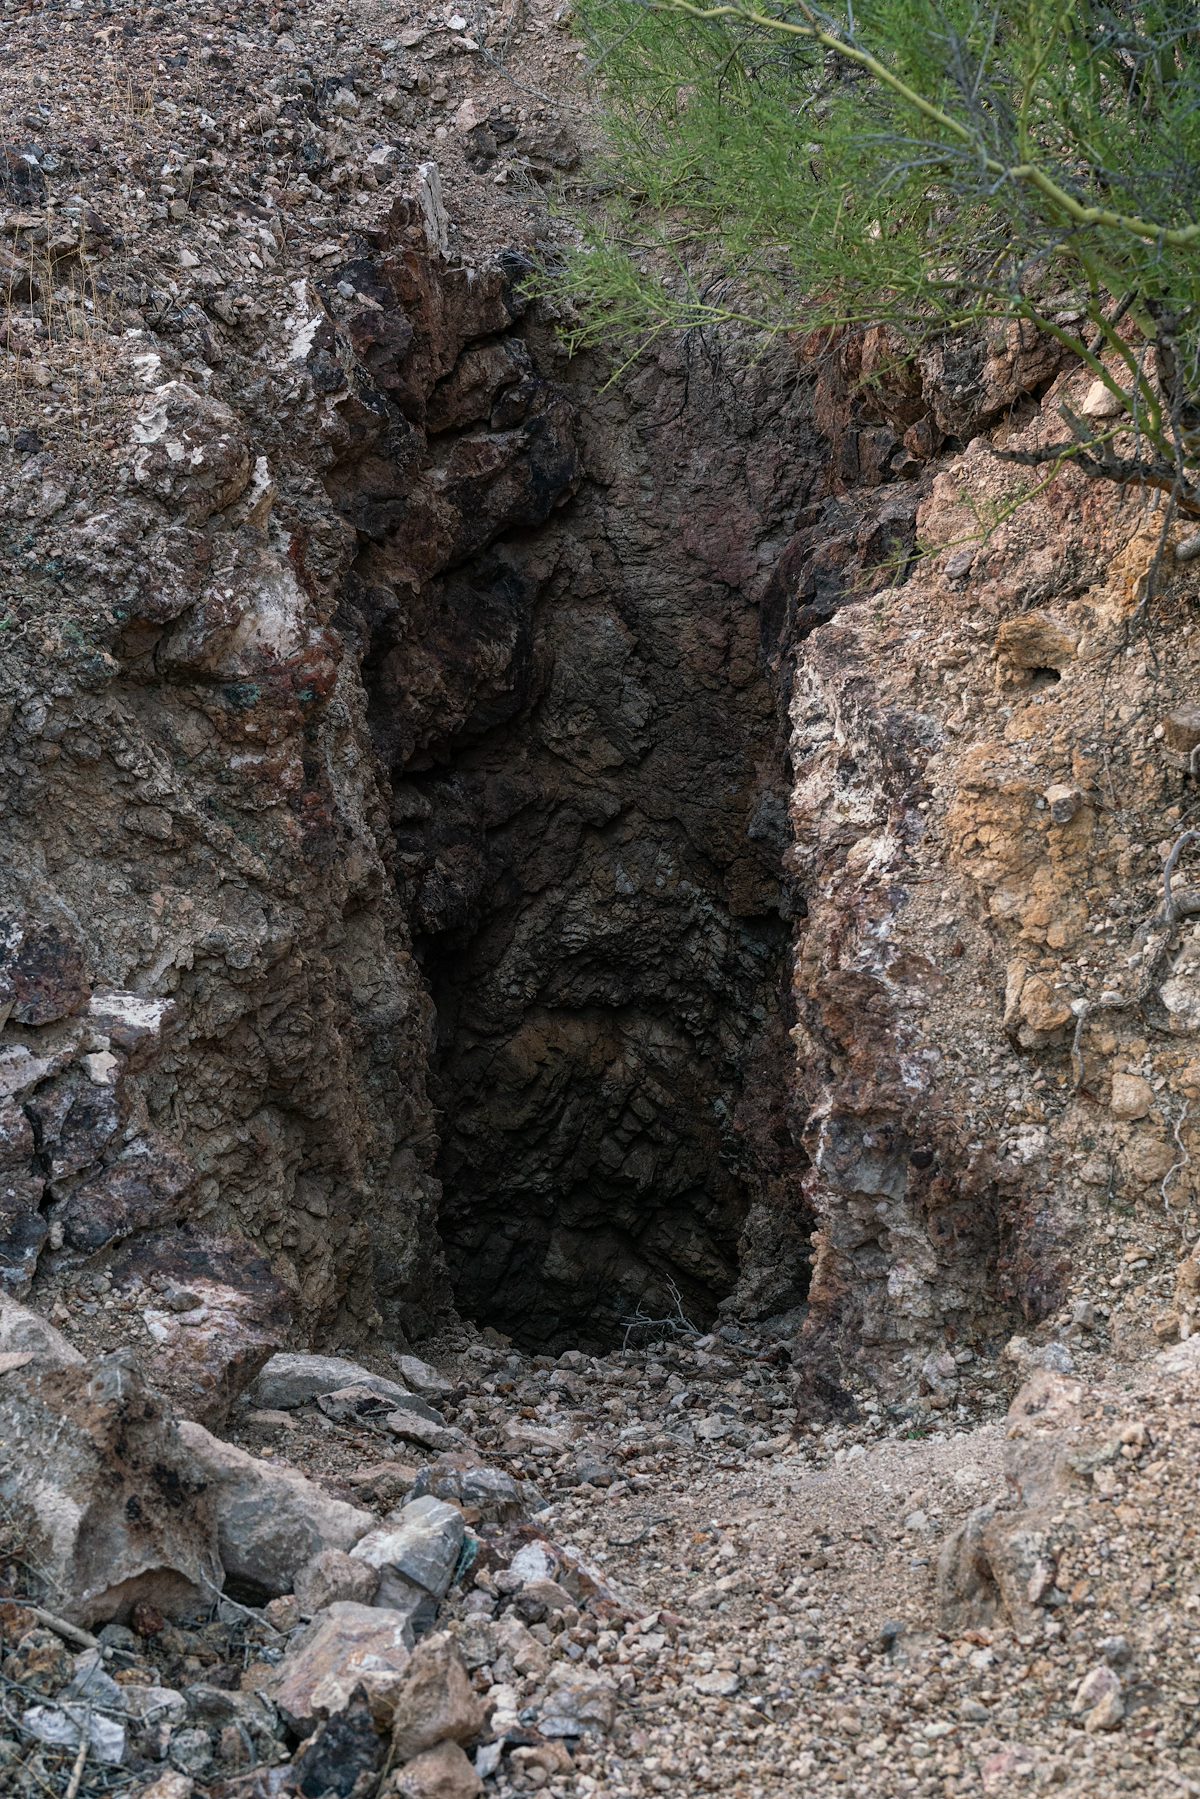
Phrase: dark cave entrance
(588,776)
(593,872)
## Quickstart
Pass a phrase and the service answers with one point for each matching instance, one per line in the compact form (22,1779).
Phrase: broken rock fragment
(441,1773)
(435,1701)
(331,1576)
(347,1645)
(343,1752)
(96,1478)
(220,1313)
(289,1380)
(416,1556)
(271,1520)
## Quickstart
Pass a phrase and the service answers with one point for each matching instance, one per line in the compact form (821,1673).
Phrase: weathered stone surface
(42,967)
(271,1520)
(583,1705)
(441,1773)
(289,1380)
(348,1645)
(333,1576)
(422,1377)
(435,1701)
(347,1404)
(345,1752)
(218,1311)
(418,1551)
(97,1478)
(489,1494)
(25,1331)
(191,452)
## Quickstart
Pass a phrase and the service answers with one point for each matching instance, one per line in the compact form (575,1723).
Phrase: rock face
(980,835)
(621,830)
(211,1010)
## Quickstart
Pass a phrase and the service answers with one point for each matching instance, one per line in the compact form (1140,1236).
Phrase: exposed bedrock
(587,850)
(589,798)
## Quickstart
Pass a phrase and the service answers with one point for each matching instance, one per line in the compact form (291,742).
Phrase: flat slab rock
(287,1381)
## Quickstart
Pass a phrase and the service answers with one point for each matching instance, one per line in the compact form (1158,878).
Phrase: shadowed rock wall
(589,802)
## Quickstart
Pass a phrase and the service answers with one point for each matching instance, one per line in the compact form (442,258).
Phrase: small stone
(444,1772)
(580,1707)
(721,1684)
(1063,802)
(422,1377)
(171,1785)
(284,1611)
(1099,1696)
(344,1754)
(1131,1097)
(1101,403)
(192,1751)
(489,1494)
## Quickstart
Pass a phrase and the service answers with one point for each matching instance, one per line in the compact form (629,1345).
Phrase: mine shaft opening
(595,1172)
(592,861)
(555,606)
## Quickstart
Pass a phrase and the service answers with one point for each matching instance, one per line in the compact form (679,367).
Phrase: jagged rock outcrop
(981,814)
(618,828)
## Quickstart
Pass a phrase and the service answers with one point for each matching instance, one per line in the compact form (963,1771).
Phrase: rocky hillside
(542,864)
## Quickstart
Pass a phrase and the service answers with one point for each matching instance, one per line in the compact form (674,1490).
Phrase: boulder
(435,1701)
(98,1482)
(348,1645)
(270,1520)
(416,1554)
(220,1314)
(287,1381)
(190,452)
